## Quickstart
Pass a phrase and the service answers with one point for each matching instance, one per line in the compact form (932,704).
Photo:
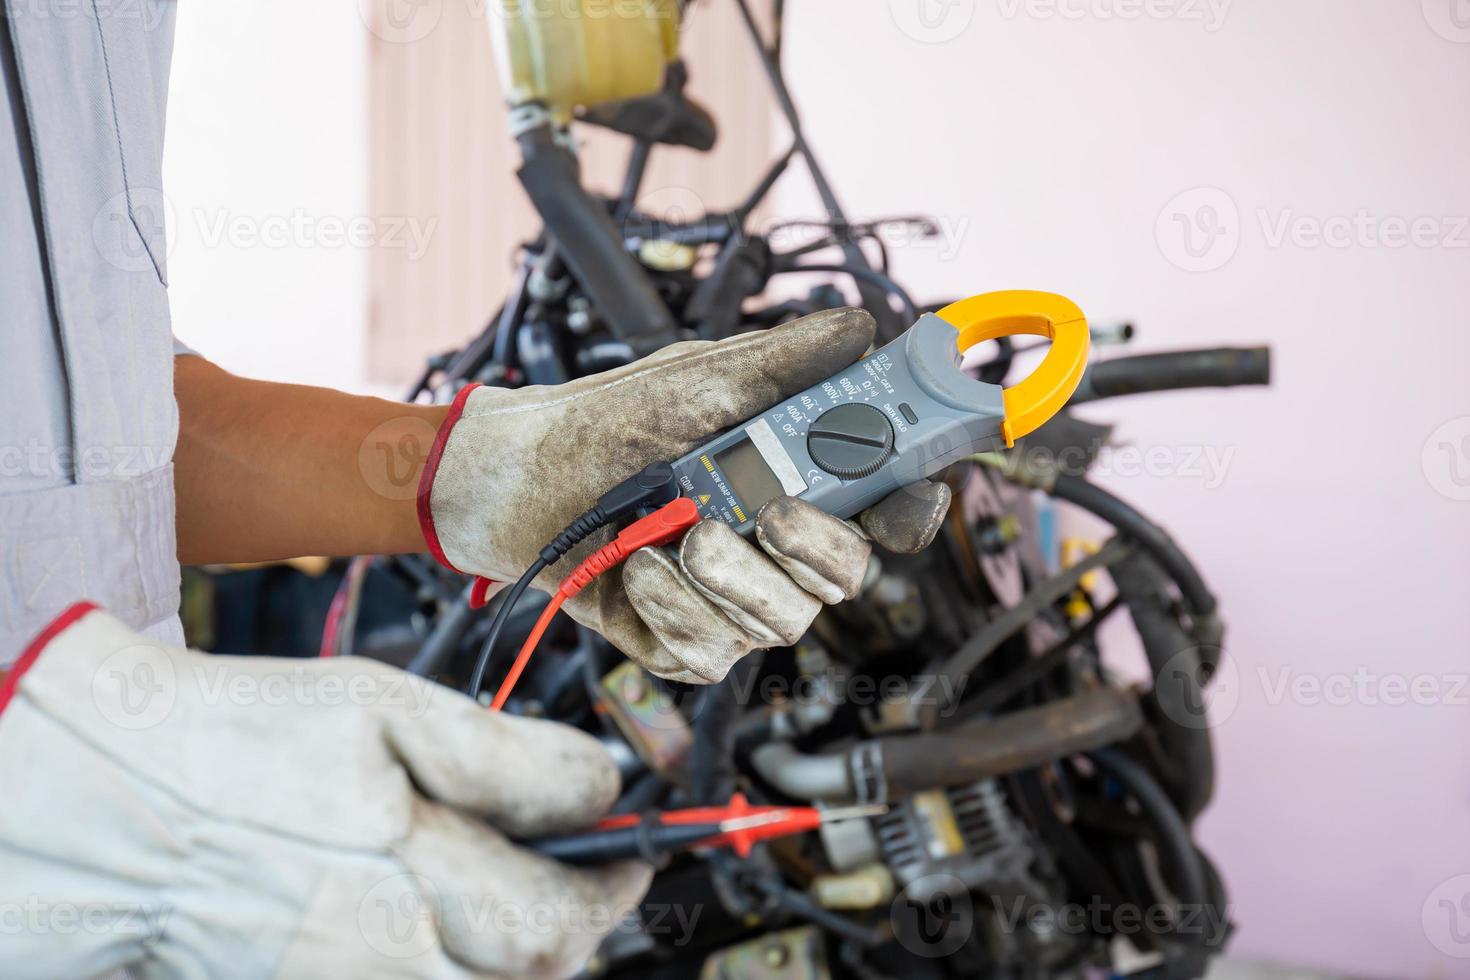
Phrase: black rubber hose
(592,246)
(1152,538)
(797,903)
(1223,367)
(1009,743)
(444,641)
(864,275)
(963,662)
(711,764)
(1032,670)
(1180,668)
(897,764)
(1189,881)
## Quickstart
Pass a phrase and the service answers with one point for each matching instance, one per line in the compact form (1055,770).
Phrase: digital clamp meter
(895,417)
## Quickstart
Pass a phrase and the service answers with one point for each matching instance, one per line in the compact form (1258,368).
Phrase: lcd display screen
(746,471)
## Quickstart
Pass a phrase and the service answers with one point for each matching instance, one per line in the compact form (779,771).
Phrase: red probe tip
(744,826)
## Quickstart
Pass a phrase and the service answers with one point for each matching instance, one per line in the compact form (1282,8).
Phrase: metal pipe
(875,298)
(444,640)
(802,776)
(589,242)
(872,770)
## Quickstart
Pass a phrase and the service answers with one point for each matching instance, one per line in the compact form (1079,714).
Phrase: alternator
(966,834)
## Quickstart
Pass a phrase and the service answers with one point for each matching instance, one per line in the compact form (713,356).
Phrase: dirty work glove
(194,816)
(513,467)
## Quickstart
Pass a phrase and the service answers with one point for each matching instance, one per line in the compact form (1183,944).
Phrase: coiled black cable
(1152,538)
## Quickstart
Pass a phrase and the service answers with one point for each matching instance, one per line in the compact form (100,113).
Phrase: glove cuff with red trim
(431,469)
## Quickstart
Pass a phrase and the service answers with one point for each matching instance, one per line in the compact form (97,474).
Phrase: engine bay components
(965,687)
(966,834)
(647,717)
(795,954)
(867,887)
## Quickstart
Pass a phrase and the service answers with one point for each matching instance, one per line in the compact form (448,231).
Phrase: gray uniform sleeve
(181,348)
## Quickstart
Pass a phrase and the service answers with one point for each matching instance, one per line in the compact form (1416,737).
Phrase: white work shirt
(88,421)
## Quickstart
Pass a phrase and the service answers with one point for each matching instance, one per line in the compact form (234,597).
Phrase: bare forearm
(266,470)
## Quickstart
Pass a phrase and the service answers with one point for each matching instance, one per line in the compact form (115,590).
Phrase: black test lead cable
(651,486)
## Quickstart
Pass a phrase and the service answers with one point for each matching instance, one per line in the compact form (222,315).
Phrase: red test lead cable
(664,526)
(737,826)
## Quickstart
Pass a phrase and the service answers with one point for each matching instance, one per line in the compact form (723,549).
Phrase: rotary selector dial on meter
(850,441)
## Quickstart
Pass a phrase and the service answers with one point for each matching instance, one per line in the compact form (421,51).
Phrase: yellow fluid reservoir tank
(567,54)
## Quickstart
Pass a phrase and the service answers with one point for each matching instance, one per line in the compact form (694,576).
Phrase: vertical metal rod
(873,297)
(633,179)
(742,213)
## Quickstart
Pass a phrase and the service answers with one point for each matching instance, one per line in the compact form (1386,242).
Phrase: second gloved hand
(514,467)
(183,815)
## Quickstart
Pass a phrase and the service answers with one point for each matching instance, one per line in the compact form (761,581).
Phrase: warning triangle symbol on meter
(703,499)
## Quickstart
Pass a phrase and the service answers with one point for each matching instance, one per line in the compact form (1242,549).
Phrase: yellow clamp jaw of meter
(991,316)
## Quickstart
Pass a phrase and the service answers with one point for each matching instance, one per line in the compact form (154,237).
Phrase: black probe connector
(652,487)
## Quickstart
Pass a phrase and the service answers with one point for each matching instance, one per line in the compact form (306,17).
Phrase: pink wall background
(1052,139)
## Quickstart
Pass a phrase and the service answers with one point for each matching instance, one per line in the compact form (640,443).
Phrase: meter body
(901,414)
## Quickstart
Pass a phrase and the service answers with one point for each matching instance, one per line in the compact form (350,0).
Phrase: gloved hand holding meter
(858,443)
(249,863)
